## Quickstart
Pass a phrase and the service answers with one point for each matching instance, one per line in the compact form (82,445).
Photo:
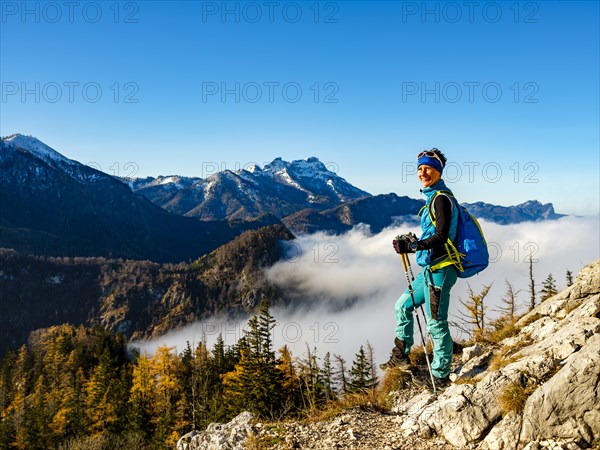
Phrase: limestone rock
(471,352)
(474,366)
(504,435)
(559,353)
(229,436)
(568,405)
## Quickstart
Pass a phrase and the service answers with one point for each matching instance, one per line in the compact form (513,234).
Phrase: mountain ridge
(140,299)
(53,205)
(59,207)
(279,188)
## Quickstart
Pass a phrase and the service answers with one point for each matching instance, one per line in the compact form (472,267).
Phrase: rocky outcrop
(543,392)
(567,406)
(230,436)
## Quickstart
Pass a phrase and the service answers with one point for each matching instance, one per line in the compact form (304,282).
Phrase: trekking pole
(406,265)
(412,277)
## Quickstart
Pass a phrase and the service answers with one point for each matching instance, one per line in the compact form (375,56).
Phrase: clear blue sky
(508,90)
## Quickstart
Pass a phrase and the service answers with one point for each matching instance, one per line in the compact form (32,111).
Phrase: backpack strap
(430,209)
(454,256)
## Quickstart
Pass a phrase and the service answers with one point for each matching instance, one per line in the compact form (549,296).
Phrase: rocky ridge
(538,389)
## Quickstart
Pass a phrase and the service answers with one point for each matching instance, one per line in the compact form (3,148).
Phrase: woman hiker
(432,286)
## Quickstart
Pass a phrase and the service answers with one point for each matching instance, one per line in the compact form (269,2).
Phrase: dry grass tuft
(255,442)
(535,316)
(371,399)
(417,356)
(503,328)
(466,380)
(507,354)
(513,398)
(499,361)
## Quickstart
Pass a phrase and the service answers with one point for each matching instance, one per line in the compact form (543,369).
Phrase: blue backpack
(469,252)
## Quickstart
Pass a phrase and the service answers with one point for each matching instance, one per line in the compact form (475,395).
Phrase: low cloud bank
(352,281)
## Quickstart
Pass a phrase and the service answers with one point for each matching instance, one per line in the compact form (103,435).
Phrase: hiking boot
(423,379)
(457,348)
(397,358)
(442,382)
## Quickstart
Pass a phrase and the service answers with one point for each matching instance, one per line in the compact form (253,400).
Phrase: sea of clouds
(344,287)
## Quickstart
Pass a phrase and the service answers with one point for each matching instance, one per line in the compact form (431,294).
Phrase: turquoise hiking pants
(432,289)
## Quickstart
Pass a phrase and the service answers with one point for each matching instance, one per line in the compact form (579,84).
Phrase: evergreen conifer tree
(569,277)
(327,375)
(548,288)
(256,382)
(340,375)
(361,378)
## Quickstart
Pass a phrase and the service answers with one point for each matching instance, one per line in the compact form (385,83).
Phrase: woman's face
(428,176)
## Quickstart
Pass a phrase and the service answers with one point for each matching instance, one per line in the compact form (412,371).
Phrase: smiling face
(428,176)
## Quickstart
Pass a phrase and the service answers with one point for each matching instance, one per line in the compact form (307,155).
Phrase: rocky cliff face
(538,389)
(542,387)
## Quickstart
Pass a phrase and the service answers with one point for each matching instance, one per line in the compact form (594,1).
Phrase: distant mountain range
(306,196)
(55,206)
(52,205)
(280,188)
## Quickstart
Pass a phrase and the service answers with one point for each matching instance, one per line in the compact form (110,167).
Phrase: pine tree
(548,288)
(504,325)
(290,381)
(361,373)
(164,366)
(569,277)
(256,382)
(142,396)
(100,403)
(313,385)
(223,361)
(371,357)
(187,378)
(7,389)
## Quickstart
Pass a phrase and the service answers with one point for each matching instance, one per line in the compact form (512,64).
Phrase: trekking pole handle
(403,257)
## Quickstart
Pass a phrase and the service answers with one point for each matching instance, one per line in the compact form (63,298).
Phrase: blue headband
(431,162)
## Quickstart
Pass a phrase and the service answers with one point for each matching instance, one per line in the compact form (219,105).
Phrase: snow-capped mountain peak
(36,148)
(47,159)
(306,167)
(279,188)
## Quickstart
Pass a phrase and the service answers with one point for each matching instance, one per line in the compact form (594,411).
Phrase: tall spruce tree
(256,382)
(327,377)
(361,378)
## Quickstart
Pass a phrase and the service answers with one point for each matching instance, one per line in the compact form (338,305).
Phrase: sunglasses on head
(430,154)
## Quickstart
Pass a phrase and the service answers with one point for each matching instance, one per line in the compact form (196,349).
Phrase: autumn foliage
(76,388)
